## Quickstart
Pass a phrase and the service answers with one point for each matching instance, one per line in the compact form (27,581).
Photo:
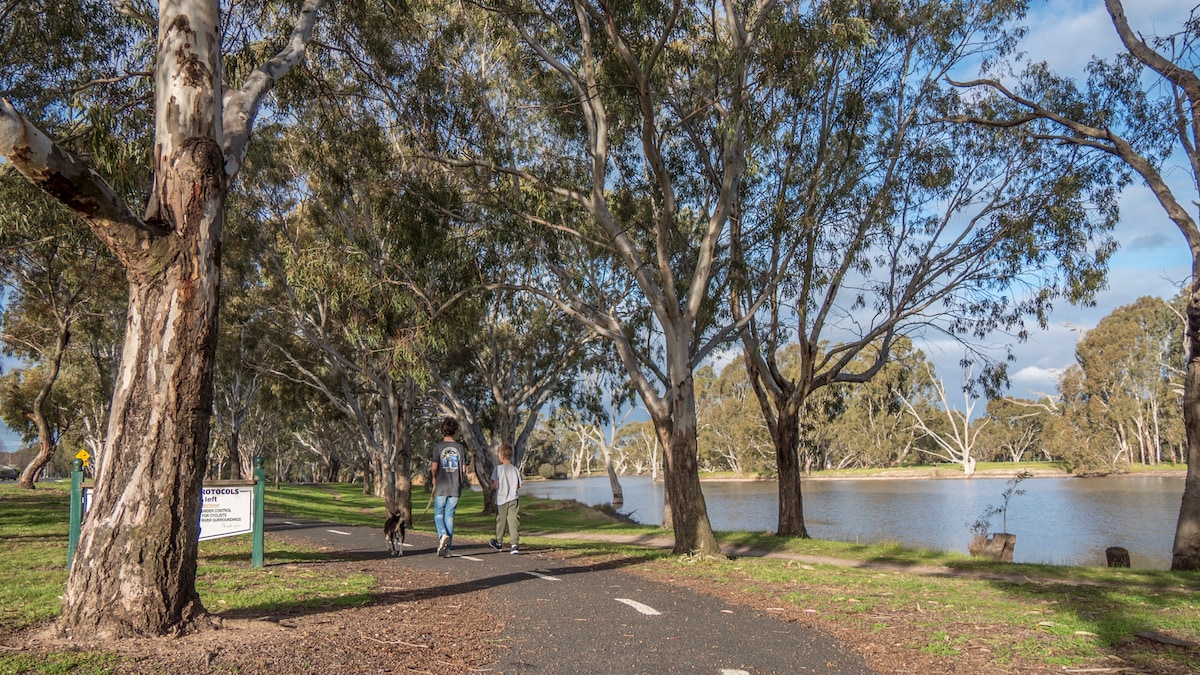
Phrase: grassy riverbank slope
(904,609)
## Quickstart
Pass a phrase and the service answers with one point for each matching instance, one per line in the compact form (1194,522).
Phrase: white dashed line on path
(469,557)
(338,532)
(288,522)
(539,575)
(734,671)
(644,609)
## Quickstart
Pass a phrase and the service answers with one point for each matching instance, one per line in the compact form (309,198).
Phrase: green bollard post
(260,478)
(76,509)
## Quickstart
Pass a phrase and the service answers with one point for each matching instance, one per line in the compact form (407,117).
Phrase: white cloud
(1067,34)
(1035,383)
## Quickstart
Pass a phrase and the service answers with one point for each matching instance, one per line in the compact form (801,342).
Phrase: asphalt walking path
(567,618)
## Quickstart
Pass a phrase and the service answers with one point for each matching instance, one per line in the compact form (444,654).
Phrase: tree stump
(1117,556)
(998,546)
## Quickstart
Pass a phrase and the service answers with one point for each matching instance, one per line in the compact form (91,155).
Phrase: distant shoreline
(924,473)
(945,474)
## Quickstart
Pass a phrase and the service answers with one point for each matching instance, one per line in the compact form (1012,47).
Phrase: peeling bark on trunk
(662,431)
(689,514)
(685,499)
(1186,549)
(135,566)
(134,570)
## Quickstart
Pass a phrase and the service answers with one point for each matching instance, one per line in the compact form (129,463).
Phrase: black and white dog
(393,531)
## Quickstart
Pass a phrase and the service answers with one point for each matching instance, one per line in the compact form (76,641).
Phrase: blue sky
(1153,258)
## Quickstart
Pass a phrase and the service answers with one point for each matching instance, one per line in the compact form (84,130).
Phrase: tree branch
(241,106)
(69,180)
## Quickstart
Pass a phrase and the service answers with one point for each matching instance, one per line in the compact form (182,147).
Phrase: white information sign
(226,511)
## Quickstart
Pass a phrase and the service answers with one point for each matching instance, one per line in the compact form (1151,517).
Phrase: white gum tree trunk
(134,569)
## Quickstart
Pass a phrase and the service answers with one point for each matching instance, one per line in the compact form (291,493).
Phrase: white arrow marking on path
(539,575)
(338,532)
(644,609)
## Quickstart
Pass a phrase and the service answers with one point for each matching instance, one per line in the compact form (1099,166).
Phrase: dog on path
(393,531)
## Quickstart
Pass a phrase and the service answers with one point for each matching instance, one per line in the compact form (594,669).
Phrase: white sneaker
(513,551)
(443,544)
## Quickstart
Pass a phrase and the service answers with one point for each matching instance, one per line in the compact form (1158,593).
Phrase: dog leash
(427,505)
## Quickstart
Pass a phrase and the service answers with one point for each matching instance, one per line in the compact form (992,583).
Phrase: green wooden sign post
(76,509)
(260,481)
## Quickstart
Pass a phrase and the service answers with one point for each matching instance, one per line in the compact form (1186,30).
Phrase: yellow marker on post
(83,456)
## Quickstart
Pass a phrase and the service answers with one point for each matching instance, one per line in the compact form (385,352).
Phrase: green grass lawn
(1054,616)
(33,557)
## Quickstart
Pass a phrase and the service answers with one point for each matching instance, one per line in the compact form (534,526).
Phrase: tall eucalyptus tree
(497,375)
(57,283)
(360,263)
(618,133)
(134,570)
(45,253)
(1137,110)
(1123,391)
(873,221)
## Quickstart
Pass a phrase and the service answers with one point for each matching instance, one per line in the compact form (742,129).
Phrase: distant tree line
(1117,405)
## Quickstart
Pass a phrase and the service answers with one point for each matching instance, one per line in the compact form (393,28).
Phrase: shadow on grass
(283,610)
(604,549)
(37,539)
(755,541)
(272,558)
(1136,625)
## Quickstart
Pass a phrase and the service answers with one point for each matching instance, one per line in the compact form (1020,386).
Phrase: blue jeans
(443,515)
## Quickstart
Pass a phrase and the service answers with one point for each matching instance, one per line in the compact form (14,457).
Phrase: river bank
(940,472)
(1061,520)
(954,472)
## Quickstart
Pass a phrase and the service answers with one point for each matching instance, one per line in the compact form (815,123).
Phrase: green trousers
(508,514)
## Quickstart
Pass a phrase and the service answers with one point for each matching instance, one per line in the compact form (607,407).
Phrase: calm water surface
(1063,521)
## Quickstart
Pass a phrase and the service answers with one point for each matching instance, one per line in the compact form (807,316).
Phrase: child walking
(506,480)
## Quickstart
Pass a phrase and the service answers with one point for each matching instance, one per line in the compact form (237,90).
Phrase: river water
(1061,521)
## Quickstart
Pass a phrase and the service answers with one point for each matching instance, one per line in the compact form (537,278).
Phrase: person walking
(448,463)
(506,480)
